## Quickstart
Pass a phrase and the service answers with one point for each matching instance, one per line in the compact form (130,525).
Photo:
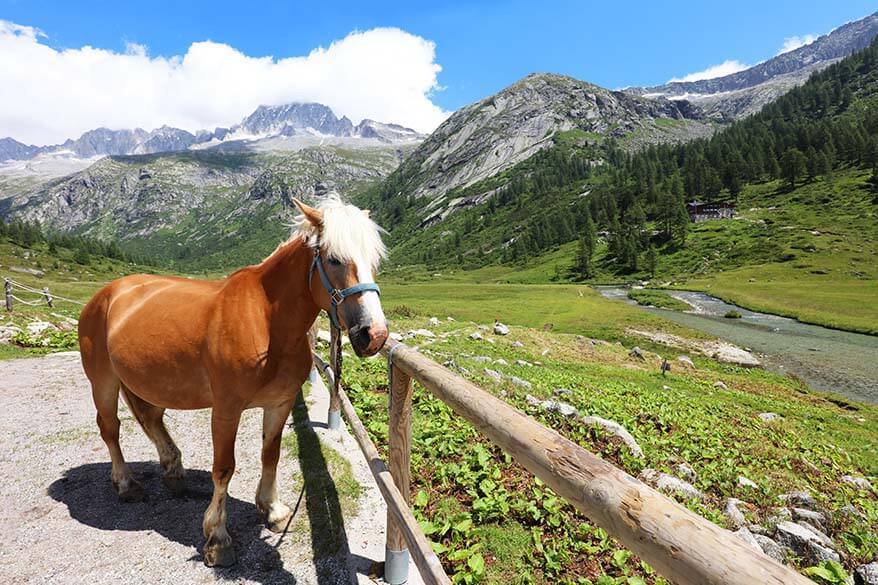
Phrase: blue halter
(336,296)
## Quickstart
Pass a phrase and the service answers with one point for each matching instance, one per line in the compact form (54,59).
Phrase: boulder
(532,400)
(818,553)
(324,336)
(421,333)
(800,498)
(861,483)
(670,484)
(685,363)
(866,574)
(746,536)
(771,548)
(561,408)
(7,332)
(731,511)
(475,336)
(493,374)
(395,336)
(817,518)
(519,382)
(636,352)
(433,321)
(39,327)
(500,328)
(617,430)
(745,482)
(798,538)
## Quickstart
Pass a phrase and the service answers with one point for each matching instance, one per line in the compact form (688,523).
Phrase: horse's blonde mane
(347,233)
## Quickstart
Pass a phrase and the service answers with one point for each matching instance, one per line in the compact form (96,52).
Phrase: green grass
(657,298)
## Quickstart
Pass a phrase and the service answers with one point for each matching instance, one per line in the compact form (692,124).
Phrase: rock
(500,328)
(777,516)
(561,392)
(545,352)
(800,498)
(823,538)
(848,510)
(720,384)
(685,363)
(501,362)
(730,354)
(866,574)
(771,548)
(532,400)
(746,536)
(522,363)
(395,336)
(745,482)
(636,352)
(476,336)
(38,327)
(517,344)
(481,359)
(519,382)
(758,529)
(7,332)
(449,319)
(818,553)
(433,322)
(817,518)
(617,430)
(666,387)
(421,333)
(861,483)
(768,416)
(561,408)
(731,511)
(685,471)
(798,537)
(669,484)
(493,374)
(324,336)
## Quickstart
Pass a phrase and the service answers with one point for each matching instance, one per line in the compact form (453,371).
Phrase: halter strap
(336,296)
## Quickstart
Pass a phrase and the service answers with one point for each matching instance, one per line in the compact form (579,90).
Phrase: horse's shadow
(91,500)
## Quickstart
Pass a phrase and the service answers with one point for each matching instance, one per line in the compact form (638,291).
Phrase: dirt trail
(61,521)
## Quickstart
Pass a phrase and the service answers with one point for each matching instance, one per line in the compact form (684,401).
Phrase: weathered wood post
(48,296)
(8,286)
(396,555)
(333,418)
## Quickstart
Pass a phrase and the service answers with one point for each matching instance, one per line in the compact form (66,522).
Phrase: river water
(827,359)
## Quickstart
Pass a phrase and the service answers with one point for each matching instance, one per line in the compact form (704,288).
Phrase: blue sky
(481,47)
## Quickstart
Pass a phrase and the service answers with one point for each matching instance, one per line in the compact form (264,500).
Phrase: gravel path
(61,521)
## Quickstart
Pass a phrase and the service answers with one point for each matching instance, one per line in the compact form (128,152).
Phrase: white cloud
(725,68)
(48,94)
(793,43)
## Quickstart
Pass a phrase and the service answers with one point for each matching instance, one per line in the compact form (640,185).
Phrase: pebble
(517,344)
(433,322)
(562,391)
(421,333)
(501,362)
(522,363)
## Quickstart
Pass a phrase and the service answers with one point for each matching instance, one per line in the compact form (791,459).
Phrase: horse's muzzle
(368,340)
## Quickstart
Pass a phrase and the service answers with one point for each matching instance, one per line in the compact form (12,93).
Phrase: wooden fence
(679,544)
(45,297)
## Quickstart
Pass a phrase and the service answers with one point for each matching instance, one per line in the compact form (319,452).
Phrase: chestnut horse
(231,344)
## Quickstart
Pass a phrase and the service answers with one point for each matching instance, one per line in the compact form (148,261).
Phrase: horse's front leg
(218,550)
(277,515)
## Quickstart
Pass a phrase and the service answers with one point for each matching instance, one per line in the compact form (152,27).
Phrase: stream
(826,359)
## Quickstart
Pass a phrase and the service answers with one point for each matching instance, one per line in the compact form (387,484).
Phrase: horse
(229,345)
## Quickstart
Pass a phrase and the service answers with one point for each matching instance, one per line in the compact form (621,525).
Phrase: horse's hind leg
(151,419)
(106,399)
(218,550)
(277,515)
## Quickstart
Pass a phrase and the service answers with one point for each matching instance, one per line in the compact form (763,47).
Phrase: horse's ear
(314,216)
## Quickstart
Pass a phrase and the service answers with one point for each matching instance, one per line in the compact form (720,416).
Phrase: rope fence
(45,296)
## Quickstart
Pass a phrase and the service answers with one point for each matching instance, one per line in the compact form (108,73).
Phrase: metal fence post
(396,559)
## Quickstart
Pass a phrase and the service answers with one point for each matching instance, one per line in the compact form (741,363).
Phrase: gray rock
(821,536)
(745,482)
(866,574)
(476,336)
(818,553)
(798,537)
(493,374)
(617,430)
(421,333)
(685,471)
(684,362)
(522,363)
(500,329)
(800,498)
(848,510)
(561,408)
(746,536)
(735,516)
(811,516)
(482,359)
(861,483)
(39,327)
(768,416)
(720,384)
(501,362)
(636,352)
(395,336)
(771,548)
(433,322)
(532,400)
(670,484)
(517,344)
(519,382)
(7,332)
(562,392)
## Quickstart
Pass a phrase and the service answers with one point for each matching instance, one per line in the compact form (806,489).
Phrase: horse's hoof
(131,493)
(176,485)
(219,556)
(277,517)
(279,525)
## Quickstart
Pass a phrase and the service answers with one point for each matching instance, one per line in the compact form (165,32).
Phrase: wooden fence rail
(46,297)
(678,543)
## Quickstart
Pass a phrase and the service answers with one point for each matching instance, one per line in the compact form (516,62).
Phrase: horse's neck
(284,276)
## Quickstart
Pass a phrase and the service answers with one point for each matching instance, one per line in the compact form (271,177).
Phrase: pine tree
(652,261)
(792,165)
(587,243)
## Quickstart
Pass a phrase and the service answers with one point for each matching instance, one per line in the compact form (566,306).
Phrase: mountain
(744,93)
(490,136)
(11,149)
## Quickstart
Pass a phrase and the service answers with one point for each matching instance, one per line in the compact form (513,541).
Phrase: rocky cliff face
(11,149)
(496,133)
(745,92)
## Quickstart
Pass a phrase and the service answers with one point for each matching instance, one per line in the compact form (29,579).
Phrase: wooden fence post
(8,286)
(48,296)
(396,556)
(333,418)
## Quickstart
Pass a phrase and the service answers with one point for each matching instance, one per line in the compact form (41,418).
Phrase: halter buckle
(336,296)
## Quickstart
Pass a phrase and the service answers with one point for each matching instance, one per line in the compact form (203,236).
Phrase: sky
(66,67)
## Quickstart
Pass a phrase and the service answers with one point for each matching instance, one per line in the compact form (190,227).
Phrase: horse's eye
(335,261)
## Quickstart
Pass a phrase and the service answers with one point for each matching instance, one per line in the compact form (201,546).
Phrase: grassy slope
(807,253)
